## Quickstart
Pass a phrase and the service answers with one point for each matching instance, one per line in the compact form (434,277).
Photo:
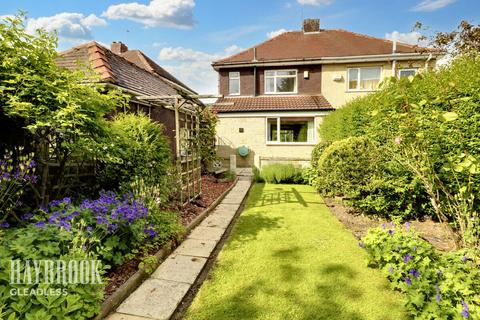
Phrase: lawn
(289,258)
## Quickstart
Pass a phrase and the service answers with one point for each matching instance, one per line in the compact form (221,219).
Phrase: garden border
(112,302)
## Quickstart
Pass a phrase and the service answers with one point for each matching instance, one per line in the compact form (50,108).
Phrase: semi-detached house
(275,94)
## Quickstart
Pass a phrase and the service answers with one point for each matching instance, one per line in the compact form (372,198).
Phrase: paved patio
(159,296)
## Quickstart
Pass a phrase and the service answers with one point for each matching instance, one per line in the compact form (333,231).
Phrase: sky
(185,36)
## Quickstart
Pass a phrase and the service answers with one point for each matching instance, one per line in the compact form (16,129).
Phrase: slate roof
(115,69)
(271,103)
(297,45)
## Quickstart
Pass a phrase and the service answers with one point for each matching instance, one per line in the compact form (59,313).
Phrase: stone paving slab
(196,248)
(217,220)
(121,316)
(206,233)
(155,299)
(180,268)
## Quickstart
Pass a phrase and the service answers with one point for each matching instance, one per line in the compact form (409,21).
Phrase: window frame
(406,69)
(234,78)
(295,77)
(278,142)
(359,77)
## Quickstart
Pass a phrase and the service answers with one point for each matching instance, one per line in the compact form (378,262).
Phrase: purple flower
(361,244)
(112,227)
(383,226)
(437,297)
(415,273)
(408,281)
(27,216)
(407,226)
(407,258)
(4,225)
(89,229)
(84,248)
(390,269)
(440,273)
(465,310)
(391,232)
(40,224)
(464,259)
(150,232)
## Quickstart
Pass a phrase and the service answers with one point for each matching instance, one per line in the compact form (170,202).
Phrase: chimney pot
(311,25)
(118,47)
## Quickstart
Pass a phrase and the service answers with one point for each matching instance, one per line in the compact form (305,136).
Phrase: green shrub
(281,173)
(229,176)
(76,301)
(257,177)
(136,147)
(346,166)
(310,176)
(437,286)
(317,152)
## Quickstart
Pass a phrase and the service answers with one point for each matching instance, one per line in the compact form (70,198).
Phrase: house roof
(115,69)
(297,45)
(271,103)
(143,61)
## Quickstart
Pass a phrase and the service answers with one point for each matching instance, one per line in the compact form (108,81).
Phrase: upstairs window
(364,79)
(405,73)
(290,130)
(280,81)
(234,83)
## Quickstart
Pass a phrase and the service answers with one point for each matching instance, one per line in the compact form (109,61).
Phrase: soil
(433,232)
(212,189)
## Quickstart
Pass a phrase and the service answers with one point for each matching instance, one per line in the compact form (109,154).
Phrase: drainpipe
(430,57)
(254,72)
(394,62)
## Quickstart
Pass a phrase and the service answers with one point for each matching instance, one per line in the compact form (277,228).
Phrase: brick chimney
(118,47)
(311,25)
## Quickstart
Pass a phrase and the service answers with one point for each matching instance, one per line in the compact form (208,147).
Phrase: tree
(465,39)
(62,109)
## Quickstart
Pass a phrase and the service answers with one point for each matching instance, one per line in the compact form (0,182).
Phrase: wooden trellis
(187,126)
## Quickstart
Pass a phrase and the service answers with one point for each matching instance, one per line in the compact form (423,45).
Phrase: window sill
(360,91)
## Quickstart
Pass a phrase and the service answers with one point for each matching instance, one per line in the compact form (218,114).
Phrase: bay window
(290,130)
(364,79)
(280,81)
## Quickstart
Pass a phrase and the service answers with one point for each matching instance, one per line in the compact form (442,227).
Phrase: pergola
(188,162)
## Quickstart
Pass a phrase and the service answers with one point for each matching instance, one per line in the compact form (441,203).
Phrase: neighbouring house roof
(297,45)
(116,69)
(143,61)
(271,103)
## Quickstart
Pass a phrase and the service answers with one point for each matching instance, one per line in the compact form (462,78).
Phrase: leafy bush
(310,176)
(136,147)
(281,173)
(346,166)
(206,137)
(437,286)
(65,301)
(257,177)
(229,175)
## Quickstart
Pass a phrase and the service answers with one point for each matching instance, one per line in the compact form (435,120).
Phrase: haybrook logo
(56,272)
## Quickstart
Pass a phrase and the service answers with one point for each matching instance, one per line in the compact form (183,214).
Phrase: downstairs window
(291,130)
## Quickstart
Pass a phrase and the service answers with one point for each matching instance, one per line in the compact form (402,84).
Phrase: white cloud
(432,5)
(158,13)
(71,27)
(275,33)
(408,37)
(194,67)
(314,2)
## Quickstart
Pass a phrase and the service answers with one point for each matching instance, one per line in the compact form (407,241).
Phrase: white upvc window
(290,130)
(407,72)
(234,83)
(364,79)
(280,81)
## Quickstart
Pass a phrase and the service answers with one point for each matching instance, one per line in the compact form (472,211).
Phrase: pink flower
(398,140)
